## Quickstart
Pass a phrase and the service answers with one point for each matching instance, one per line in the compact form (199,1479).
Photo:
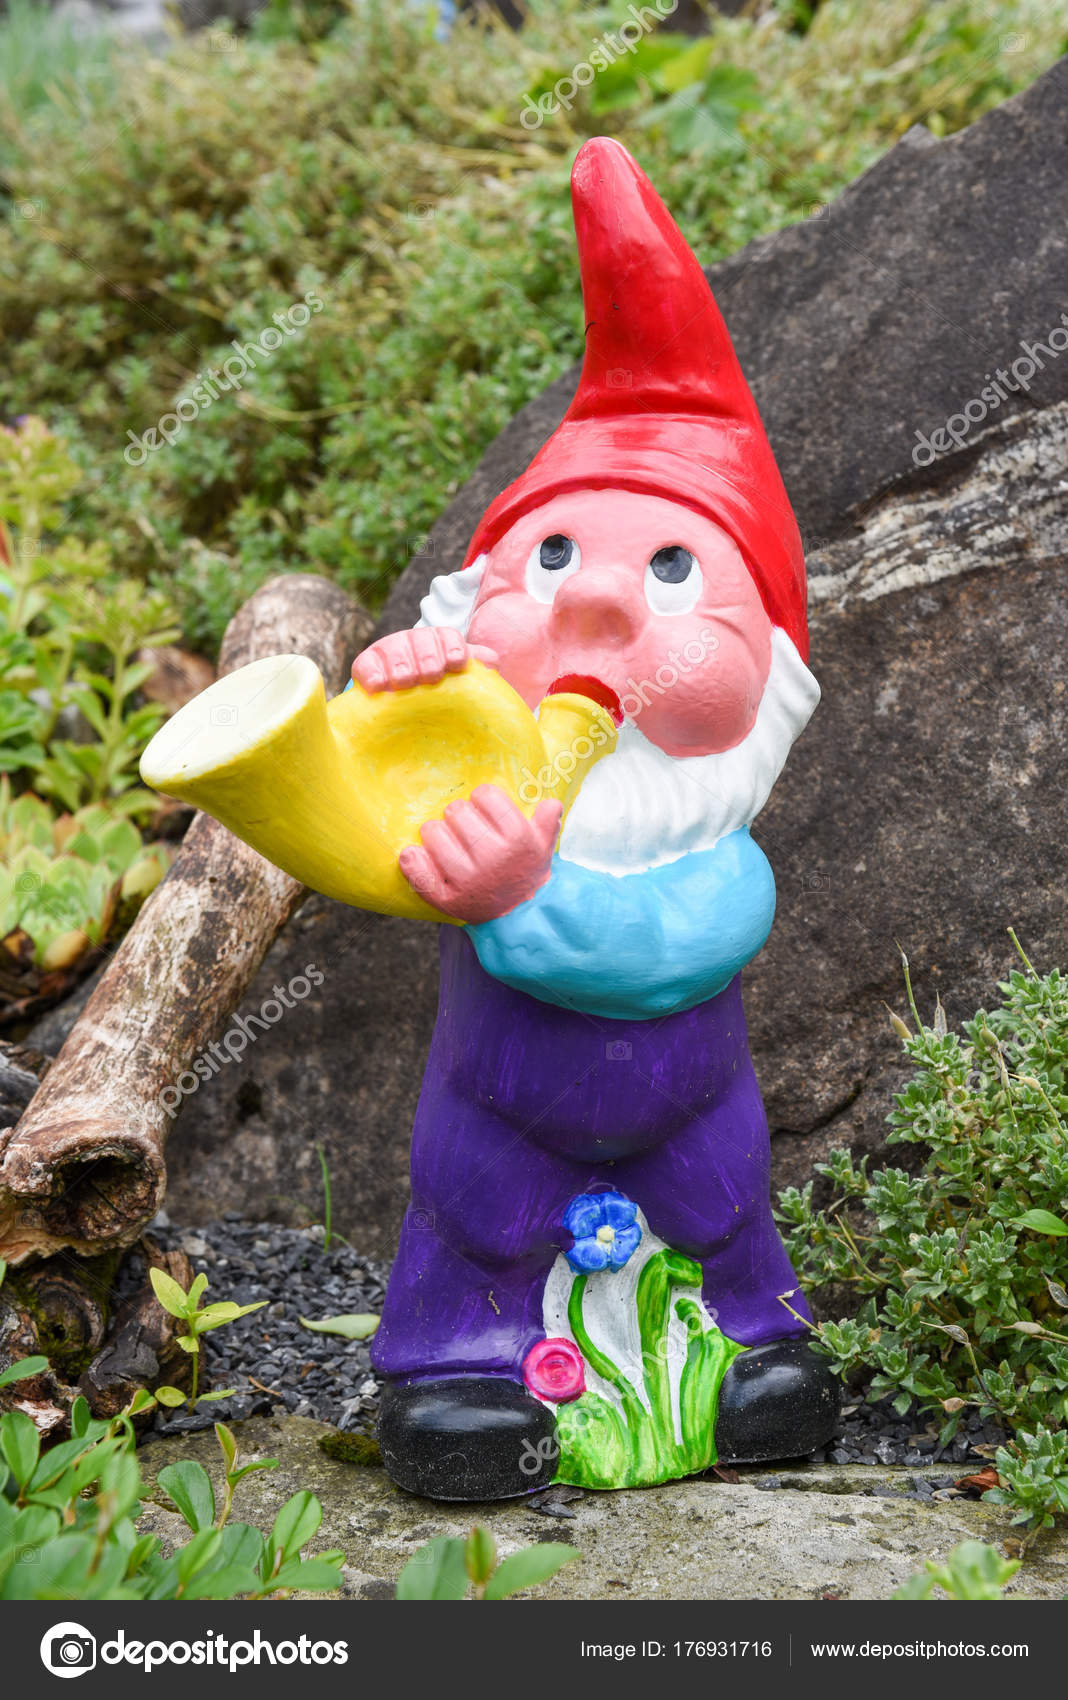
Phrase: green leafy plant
(68,1520)
(49,60)
(232,1558)
(961,1269)
(445,1567)
(1033,1477)
(70,628)
(676,89)
(22,1370)
(973,1571)
(66,881)
(196,1320)
(114,620)
(357,1326)
(73,867)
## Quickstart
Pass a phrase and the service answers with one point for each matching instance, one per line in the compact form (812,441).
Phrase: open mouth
(585,685)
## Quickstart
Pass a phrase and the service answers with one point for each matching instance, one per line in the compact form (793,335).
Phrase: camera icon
(420,209)
(221,41)
(618,378)
(815,881)
(68,1649)
(27,882)
(29,546)
(421,1218)
(420,545)
(618,1050)
(223,714)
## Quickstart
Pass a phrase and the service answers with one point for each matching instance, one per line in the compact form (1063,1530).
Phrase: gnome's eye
(551,561)
(672,581)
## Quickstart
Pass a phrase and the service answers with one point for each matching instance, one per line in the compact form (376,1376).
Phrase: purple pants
(523,1106)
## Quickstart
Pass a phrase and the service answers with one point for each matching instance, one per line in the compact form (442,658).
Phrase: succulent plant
(66,884)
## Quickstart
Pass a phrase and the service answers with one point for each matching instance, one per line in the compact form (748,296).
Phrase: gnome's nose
(598,606)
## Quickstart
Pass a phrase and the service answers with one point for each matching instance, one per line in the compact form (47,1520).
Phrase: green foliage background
(151,214)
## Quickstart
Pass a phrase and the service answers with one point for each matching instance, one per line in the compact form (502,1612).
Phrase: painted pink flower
(554,1370)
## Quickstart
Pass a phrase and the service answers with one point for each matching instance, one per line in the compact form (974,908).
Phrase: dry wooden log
(69,1301)
(83,1168)
(59,1307)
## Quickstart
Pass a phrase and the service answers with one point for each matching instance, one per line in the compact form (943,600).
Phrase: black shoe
(472,1437)
(776,1401)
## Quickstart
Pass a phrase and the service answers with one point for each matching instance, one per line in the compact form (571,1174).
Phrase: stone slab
(825,1532)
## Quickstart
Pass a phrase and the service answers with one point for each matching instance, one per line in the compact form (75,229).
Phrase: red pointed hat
(662,407)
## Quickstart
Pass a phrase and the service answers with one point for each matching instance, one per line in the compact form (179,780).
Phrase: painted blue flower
(606,1232)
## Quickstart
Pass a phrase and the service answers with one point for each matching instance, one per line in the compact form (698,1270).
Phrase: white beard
(638,807)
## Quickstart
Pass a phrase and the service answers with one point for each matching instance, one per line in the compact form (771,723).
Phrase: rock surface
(806,1533)
(924,803)
(342,1070)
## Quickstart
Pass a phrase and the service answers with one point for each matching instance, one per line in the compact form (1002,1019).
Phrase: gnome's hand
(484,857)
(419,657)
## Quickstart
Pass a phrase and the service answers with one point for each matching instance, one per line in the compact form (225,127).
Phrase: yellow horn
(332,792)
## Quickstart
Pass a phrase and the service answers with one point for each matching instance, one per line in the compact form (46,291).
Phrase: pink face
(636,601)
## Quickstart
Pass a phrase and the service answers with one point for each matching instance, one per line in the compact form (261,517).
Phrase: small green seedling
(443,1569)
(186,1308)
(240,1559)
(972,1571)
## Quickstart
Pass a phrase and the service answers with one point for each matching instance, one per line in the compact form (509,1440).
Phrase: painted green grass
(634,1444)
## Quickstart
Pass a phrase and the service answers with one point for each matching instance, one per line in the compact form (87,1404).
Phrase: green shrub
(390,173)
(47,59)
(68,1522)
(70,629)
(962,1268)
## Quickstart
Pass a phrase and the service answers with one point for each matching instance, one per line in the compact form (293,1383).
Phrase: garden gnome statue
(590,1286)
(563,761)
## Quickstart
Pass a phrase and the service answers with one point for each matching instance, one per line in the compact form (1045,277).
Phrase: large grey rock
(924,804)
(848,1534)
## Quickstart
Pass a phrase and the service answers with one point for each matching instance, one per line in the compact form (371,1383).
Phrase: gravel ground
(272,1360)
(269,1357)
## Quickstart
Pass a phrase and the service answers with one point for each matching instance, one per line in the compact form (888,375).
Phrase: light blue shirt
(636,946)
